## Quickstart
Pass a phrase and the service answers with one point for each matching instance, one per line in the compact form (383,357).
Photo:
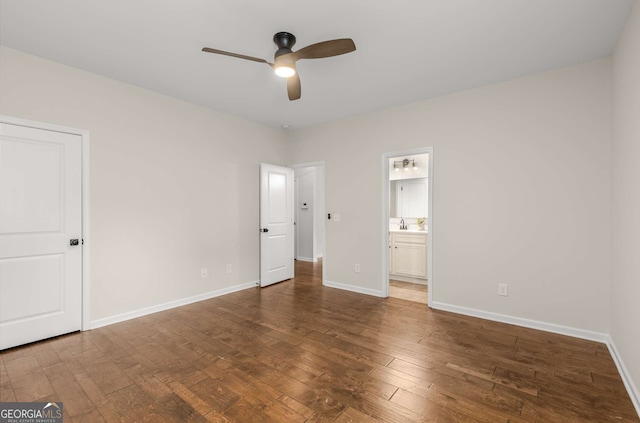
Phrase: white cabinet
(408,254)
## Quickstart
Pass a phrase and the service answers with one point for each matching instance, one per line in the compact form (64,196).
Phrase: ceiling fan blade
(325,49)
(239,56)
(294,88)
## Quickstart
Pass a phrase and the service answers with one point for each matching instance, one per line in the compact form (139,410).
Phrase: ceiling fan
(284,60)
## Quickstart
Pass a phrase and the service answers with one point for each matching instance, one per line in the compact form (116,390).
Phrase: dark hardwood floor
(300,352)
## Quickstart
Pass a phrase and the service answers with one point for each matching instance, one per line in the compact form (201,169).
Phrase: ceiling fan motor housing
(285,41)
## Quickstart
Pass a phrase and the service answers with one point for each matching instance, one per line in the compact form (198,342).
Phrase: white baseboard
(353,288)
(527,323)
(309,259)
(171,304)
(632,389)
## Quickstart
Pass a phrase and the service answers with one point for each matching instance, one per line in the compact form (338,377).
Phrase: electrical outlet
(229,268)
(503,289)
(357,268)
(204,272)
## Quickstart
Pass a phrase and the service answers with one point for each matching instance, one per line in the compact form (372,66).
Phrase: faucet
(402,225)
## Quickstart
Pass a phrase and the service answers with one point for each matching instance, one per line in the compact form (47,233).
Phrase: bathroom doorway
(408,225)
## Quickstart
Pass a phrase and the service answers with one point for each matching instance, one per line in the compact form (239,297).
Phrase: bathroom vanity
(408,255)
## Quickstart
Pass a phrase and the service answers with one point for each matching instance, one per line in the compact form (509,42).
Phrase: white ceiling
(406,50)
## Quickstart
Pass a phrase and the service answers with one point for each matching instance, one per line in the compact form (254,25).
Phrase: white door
(276,224)
(40,213)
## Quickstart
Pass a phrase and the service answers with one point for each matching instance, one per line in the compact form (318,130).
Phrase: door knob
(73,242)
(264,230)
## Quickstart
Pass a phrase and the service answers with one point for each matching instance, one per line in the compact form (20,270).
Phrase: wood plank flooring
(415,292)
(300,352)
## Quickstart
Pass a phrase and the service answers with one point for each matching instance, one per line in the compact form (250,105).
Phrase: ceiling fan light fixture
(284,66)
(285,71)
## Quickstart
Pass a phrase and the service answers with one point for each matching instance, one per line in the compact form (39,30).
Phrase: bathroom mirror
(408,198)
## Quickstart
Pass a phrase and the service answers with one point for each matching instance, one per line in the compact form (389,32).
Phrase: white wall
(174,187)
(625,287)
(521,188)
(522,177)
(521,194)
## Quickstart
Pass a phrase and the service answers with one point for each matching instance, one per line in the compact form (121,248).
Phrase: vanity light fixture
(404,164)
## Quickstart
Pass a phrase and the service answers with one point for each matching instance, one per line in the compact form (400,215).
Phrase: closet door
(40,234)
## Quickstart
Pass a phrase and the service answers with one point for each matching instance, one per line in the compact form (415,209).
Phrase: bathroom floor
(408,291)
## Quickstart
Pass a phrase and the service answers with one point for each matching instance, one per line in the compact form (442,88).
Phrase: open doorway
(309,227)
(407,182)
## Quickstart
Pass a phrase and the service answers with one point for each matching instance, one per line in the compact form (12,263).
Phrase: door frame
(323,213)
(86,191)
(385,219)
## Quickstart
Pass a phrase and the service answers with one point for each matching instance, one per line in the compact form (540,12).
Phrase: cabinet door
(410,259)
(409,255)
